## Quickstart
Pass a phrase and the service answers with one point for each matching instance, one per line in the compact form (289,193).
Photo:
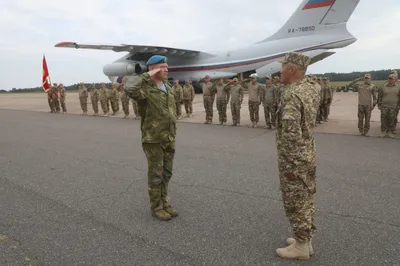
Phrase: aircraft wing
(137,49)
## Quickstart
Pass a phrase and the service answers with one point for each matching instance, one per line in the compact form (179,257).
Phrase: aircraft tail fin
(312,17)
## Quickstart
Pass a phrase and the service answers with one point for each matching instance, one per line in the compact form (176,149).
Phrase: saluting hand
(154,71)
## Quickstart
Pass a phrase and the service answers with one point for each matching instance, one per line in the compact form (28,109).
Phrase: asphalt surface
(73,192)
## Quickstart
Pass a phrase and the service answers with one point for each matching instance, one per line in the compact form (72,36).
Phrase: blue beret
(156,59)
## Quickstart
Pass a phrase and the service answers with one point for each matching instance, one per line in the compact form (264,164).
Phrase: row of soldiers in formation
(112,96)
(386,97)
(269,95)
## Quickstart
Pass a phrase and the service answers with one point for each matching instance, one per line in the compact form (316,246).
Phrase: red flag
(45,76)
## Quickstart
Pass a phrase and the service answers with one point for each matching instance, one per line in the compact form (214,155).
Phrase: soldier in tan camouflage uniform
(178,94)
(366,102)
(254,88)
(297,155)
(208,98)
(236,92)
(222,100)
(270,103)
(153,94)
(113,98)
(188,96)
(83,96)
(124,98)
(320,113)
(135,109)
(94,98)
(50,100)
(63,97)
(389,104)
(54,97)
(327,91)
(103,95)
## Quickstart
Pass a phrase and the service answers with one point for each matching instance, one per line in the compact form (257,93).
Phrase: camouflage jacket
(178,93)
(157,108)
(188,92)
(296,122)
(83,92)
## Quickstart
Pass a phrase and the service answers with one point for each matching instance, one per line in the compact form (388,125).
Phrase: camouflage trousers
(113,101)
(51,105)
(95,105)
(178,109)
(364,112)
(235,110)
(56,104)
(135,108)
(221,107)
(270,115)
(125,105)
(208,106)
(160,158)
(254,109)
(63,105)
(105,105)
(83,102)
(298,202)
(188,106)
(388,119)
(322,112)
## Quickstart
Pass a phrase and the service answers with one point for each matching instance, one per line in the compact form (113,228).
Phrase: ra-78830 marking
(301,29)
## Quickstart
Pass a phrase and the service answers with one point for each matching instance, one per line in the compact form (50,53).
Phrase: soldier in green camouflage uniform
(366,102)
(113,98)
(103,94)
(236,94)
(389,104)
(297,155)
(222,93)
(63,97)
(158,125)
(94,98)
(178,94)
(124,97)
(188,97)
(254,88)
(83,96)
(208,98)
(270,102)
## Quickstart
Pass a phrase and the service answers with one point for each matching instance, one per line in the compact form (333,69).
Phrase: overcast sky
(30,29)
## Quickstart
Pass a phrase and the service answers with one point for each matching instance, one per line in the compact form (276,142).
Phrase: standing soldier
(208,98)
(178,94)
(124,98)
(113,98)
(63,97)
(389,104)
(103,95)
(188,96)
(321,102)
(50,100)
(327,98)
(297,161)
(222,100)
(270,102)
(254,89)
(83,96)
(153,94)
(366,102)
(94,98)
(236,93)
(54,97)
(277,85)
(136,109)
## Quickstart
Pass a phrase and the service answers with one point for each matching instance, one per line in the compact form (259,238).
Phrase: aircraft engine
(124,69)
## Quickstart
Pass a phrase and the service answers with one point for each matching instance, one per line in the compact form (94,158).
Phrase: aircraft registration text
(302,29)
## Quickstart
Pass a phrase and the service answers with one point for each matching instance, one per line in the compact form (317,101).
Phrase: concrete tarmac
(343,115)
(73,192)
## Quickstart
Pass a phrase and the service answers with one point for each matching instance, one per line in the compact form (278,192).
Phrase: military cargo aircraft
(314,29)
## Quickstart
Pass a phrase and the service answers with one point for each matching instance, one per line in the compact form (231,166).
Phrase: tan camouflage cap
(268,77)
(367,76)
(392,76)
(394,72)
(276,77)
(296,59)
(235,79)
(324,78)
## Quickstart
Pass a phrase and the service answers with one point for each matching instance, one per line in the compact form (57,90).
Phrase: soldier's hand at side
(290,176)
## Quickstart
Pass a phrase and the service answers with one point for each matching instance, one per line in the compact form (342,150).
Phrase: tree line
(375,74)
